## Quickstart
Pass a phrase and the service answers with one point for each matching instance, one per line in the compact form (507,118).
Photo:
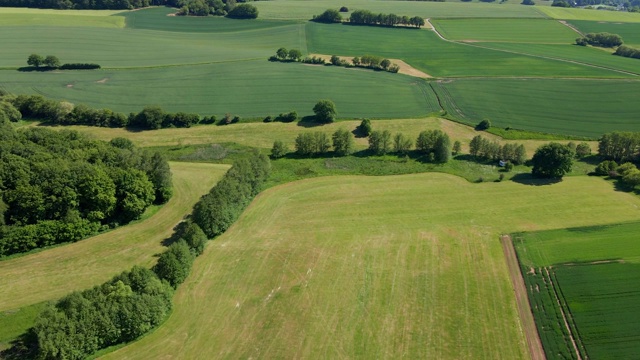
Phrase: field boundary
(522,300)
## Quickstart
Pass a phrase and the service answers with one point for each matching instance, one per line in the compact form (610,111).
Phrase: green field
(304,10)
(54,273)
(362,267)
(249,89)
(436,57)
(587,276)
(591,15)
(630,32)
(558,106)
(506,30)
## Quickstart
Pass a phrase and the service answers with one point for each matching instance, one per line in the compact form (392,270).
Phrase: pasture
(630,32)
(588,277)
(561,13)
(371,266)
(436,57)
(558,106)
(63,269)
(506,30)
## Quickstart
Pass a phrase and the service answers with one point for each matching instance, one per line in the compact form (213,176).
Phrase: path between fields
(405,68)
(564,315)
(522,300)
(531,55)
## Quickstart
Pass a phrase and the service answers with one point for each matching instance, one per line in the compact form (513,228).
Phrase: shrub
(325,111)
(365,127)
(344,9)
(328,16)
(483,125)
(278,150)
(606,167)
(243,11)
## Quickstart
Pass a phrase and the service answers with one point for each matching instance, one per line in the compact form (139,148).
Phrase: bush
(606,40)
(325,111)
(328,16)
(365,127)
(278,150)
(606,167)
(344,9)
(79,66)
(174,265)
(288,117)
(483,125)
(243,11)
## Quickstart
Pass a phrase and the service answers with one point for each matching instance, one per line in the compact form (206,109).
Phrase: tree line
(603,39)
(365,61)
(627,51)
(82,4)
(491,150)
(51,62)
(228,8)
(366,17)
(136,301)
(61,186)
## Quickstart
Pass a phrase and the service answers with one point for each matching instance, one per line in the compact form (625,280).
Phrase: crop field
(345,267)
(570,106)
(590,15)
(214,89)
(630,32)
(436,57)
(506,30)
(586,292)
(55,272)
(304,10)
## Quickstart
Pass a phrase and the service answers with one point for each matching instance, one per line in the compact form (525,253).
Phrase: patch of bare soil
(405,68)
(102,81)
(469,41)
(69,85)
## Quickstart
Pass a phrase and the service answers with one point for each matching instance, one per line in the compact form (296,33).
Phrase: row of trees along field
(366,17)
(51,62)
(60,186)
(136,301)
(604,39)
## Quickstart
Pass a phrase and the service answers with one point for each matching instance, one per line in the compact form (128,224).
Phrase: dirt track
(524,307)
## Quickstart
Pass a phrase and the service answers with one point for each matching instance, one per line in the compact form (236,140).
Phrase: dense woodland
(61,186)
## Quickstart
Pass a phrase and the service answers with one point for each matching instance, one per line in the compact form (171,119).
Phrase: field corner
(524,307)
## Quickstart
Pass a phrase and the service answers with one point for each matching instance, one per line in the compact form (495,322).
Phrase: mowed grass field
(54,273)
(574,107)
(506,30)
(304,10)
(424,50)
(585,14)
(263,135)
(592,272)
(249,89)
(630,32)
(365,267)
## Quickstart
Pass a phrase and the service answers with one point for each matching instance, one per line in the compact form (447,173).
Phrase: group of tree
(83,4)
(621,146)
(491,150)
(284,55)
(218,209)
(134,302)
(561,3)
(603,39)
(627,51)
(368,62)
(553,160)
(287,117)
(366,17)
(434,145)
(60,186)
(325,111)
(51,62)
(627,173)
(228,8)
(329,16)
(317,143)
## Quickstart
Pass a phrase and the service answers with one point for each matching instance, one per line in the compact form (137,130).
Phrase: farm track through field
(532,55)
(564,315)
(522,299)
(53,273)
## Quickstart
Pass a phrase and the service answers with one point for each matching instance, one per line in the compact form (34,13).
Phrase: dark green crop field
(630,32)
(583,288)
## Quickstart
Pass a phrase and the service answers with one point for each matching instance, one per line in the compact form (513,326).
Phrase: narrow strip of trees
(366,17)
(491,150)
(627,51)
(604,39)
(51,62)
(228,8)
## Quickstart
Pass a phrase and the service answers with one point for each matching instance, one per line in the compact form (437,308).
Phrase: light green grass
(249,89)
(31,11)
(304,10)
(57,19)
(144,48)
(592,15)
(572,107)
(365,267)
(424,50)
(16,322)
(587,55)
(630,32)
(54,273)
(507,30)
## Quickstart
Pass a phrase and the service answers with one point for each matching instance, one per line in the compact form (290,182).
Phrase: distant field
(506,30)
(630,32)
(249,89)
(587,55)
(6,10)
(57,19)
(365,267)
(592,272)
(53,273)
(592,15)
(157,19)
(572,107)
(304,10)
(425,51)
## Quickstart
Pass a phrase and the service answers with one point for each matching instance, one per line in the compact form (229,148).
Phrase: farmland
(593,286)
(508,30)
(630,32)
(330,251)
